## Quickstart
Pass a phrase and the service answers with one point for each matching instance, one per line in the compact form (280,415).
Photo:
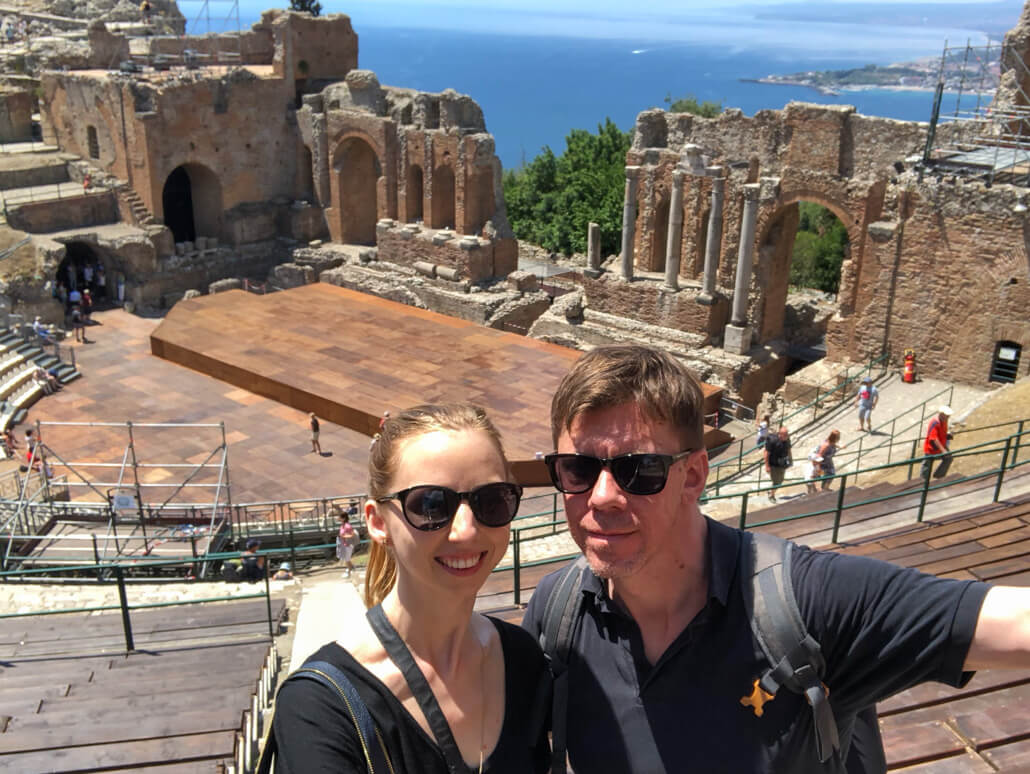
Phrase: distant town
(920,74)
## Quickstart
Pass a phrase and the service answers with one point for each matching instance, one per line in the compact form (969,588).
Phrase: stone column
(629,221)
(714,240)
(672,242)
(738,334)
(593,269)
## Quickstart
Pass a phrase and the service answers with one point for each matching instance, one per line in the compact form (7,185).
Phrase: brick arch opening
(414,194)
(357,171)
(442,197)
(191,202)
(660,236)
(783,246)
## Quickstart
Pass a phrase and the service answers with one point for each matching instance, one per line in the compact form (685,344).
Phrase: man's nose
(605,490)
(463,525)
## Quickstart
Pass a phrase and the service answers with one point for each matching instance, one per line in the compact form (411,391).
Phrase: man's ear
(696,477)
(375,521)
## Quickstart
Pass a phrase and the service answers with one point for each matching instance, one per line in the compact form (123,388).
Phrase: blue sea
(546,74)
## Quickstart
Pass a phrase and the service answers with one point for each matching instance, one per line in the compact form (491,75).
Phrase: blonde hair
(381,573)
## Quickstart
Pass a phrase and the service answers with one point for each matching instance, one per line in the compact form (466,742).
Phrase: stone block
(188,247)
(292,275)
(368,255)
(233,283)
(424,267)
(180,248)
(201,243)
(191,293)
(523,281)
(737,339)
(447,273)
(469,243)
(443,237)
(315,243)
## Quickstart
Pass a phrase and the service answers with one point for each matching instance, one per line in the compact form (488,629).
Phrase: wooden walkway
(185,700)
(932,728)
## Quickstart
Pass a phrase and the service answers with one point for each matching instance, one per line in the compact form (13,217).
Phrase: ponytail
(380,574)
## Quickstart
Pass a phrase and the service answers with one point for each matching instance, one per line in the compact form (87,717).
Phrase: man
(777,459)
(935,446)
(313,421)
(866,400)
(663,663)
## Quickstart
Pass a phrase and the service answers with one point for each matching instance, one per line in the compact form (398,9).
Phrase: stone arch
(777,232)
(357,168)
(441,198)
(191,201)
(660,235)
(414,194)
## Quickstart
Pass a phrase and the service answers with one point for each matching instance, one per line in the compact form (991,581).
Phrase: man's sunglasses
(428,507)
(638,474)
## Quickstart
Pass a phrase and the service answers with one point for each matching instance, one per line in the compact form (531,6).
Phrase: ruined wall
(469,258)
(73,212)
(306,47)
(15,115)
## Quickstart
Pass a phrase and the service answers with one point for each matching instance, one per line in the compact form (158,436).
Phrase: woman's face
(459,556)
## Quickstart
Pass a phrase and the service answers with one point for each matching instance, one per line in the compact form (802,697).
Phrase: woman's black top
(315,733)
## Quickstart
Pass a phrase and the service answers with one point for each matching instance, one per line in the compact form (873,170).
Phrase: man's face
(619,533)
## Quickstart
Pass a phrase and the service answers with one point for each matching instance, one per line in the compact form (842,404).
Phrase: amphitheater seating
(188,699)
(18,359)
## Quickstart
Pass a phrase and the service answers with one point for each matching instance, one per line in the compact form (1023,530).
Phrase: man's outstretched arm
(1002,638)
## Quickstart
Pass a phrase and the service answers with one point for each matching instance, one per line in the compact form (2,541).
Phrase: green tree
(689,104)
(552,199)
(311,6)
(819,248)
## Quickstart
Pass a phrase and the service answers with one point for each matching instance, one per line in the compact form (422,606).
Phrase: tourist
(87,307)
(284,572)
(101,281)
(78,331)
(449,689)
(313,422)
(10,444)
(826,450)
(777,459)
(41,331)
(346,541)
(87,276)
(813,471)
(866,399)
(664,671)
(763,431)
(252,565)
(935,445)
(45,380)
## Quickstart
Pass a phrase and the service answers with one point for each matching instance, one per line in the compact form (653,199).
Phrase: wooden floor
(350,356)
(73,701)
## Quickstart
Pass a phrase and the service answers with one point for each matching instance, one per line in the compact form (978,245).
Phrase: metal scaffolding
(135,487)
(973,133)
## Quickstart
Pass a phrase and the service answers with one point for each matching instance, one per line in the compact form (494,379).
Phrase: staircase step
(46,361)
(67,378)
(19,416)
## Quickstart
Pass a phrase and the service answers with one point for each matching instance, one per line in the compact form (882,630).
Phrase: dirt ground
(22,262)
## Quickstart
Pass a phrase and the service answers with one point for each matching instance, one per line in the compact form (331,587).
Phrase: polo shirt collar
(722,549)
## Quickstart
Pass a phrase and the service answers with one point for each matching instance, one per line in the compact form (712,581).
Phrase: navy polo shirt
(882,629)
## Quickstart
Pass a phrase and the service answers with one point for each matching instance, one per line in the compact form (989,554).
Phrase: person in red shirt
(936,444)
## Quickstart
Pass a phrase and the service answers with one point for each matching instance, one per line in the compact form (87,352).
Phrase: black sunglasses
(428,507)
(639,473)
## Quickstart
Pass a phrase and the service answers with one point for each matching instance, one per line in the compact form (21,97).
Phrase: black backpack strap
(562,613)
(372,745)
(420,688)
(795,657)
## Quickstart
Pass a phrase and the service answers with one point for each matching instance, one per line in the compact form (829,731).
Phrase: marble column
(629,221)
(672,242)
(714,240)
(738,333)
(593,268)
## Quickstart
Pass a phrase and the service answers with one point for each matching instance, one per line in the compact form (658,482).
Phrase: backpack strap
(562,613)
(372,747)
(795,657)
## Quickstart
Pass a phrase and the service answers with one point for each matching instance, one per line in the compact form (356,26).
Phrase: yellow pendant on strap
(759,696)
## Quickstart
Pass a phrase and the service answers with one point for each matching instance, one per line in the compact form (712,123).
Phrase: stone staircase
(140,214)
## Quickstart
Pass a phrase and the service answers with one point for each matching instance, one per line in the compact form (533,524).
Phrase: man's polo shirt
(882,629)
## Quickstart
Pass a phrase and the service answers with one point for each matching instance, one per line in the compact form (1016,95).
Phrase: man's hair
(661,387)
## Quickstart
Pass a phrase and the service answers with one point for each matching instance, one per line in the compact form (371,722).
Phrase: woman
(438,514)
(346,540)
(826,450)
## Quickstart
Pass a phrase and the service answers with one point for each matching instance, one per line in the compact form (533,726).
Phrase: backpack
(794,656)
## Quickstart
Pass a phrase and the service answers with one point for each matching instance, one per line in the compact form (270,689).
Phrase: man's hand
(1002,638)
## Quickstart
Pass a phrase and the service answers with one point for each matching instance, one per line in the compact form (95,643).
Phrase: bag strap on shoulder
(794,656)
(562,613)
(372,745)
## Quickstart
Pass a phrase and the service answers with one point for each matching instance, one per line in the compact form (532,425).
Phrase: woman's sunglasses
(428,507)
(639,474)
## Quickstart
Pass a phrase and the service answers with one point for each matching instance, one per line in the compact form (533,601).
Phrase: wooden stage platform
(350,356)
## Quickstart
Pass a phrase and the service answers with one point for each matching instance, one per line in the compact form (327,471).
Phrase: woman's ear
(376,522)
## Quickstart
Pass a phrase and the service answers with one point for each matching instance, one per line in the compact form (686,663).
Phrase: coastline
(836,91)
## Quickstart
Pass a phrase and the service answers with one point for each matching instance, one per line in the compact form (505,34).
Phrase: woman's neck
(435,630)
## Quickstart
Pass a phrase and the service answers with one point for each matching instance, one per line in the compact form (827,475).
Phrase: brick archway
(357,169)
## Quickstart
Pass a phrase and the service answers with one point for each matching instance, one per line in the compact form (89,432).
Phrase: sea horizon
(535,88)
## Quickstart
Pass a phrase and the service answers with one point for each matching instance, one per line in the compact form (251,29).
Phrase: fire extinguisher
(909,374)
